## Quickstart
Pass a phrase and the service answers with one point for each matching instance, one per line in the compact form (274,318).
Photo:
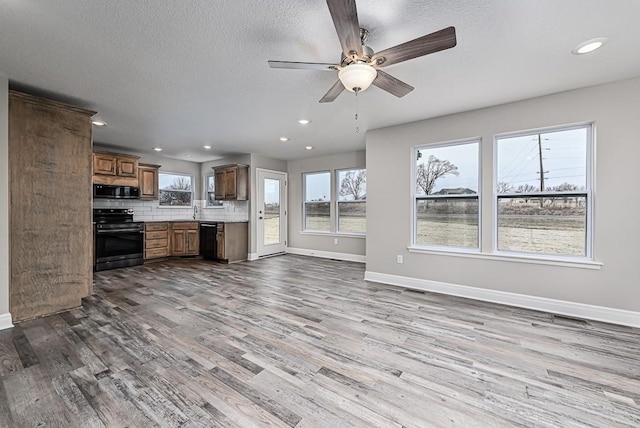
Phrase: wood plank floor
(303,342)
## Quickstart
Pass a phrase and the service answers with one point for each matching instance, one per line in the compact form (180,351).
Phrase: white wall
(322,243)
(615,109)
(5,317)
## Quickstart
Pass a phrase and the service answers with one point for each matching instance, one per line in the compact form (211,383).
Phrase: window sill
(518,258)
(333,234)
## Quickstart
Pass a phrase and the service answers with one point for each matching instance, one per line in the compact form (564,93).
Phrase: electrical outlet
(399,258)
(335,241)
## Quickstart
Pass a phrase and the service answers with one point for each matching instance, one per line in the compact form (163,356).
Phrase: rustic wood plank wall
(51,236)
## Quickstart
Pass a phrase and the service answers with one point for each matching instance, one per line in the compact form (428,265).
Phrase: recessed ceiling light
(284,139)
(304,121)
(309,147)
(99,122)
(589,46)
(207,147)
(157,149)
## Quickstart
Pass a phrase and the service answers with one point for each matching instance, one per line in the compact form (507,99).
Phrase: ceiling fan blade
(391,84)
(333,93)
(303,65)
(434,42)
(345,18)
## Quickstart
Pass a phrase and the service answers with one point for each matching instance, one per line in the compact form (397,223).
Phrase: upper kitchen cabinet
(115,168)
(231,182)
(148,181)
(51,234)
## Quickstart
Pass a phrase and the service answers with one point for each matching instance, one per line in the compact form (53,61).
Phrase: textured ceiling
(182,74)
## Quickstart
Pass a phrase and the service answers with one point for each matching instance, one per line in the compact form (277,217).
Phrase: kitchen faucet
(195,211)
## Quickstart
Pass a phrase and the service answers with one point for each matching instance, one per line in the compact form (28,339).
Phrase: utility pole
(541,168)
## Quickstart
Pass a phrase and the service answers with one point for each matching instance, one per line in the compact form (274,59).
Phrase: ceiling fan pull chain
(356,116)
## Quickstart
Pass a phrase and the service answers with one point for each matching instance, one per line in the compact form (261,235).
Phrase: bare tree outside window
(354,184)
(352,195)
(428,173)
(175,190)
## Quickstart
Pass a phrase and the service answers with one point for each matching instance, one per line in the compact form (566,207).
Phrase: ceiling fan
(359,66)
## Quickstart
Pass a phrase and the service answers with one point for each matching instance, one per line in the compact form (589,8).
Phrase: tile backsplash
(151,211)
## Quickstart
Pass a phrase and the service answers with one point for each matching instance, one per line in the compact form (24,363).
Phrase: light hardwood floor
(306,342)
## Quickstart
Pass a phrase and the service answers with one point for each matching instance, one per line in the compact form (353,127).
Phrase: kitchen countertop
(192,220)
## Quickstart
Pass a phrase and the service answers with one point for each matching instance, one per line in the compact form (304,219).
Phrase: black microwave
(107,191)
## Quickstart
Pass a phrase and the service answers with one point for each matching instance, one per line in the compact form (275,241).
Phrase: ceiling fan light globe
(357,77)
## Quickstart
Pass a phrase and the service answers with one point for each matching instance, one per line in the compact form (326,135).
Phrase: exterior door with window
(272,209)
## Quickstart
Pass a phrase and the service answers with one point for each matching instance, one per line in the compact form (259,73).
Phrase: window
(210,186)
(317,201)
(175,189)
(543,193)
(352,204)
(446,205)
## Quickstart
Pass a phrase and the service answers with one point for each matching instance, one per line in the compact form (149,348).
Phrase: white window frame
(305,202)
(414,198)
(205,186)
(182,174)
(338,201)
(588,193)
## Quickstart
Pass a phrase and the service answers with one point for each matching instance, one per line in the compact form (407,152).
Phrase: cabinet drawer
(149,227)
(156,252)
(156,243)
(186,225)
(157,234)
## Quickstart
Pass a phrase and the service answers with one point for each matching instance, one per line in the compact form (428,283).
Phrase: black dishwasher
(208,247)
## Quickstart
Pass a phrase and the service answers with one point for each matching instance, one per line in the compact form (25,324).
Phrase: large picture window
(543,193)
(175,189)
(317,201)
(352,200)
(447,183)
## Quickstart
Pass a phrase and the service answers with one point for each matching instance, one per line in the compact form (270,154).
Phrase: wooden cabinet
(148,181)
(50,231)
(232,242)
(185,238)
(115,168)
(156,240)
(104,164)
(231,182)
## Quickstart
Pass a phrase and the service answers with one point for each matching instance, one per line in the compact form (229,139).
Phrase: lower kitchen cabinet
(232,242)
(185,238)
(156,240)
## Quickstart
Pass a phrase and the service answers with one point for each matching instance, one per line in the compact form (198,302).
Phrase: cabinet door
(220,183)
(126,167)
(231,175)
(148,182)
(104,164)
(178,247)
(192,241)
(220,253)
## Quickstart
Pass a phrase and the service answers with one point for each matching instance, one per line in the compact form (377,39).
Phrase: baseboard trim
(327,254)
(562,307)
(252,257)
(5,321)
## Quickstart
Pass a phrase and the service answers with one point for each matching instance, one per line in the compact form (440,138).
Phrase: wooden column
(51,235)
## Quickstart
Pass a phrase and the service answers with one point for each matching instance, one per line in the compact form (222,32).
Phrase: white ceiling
(181,74)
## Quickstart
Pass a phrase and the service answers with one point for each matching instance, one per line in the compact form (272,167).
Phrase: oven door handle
(105,231)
